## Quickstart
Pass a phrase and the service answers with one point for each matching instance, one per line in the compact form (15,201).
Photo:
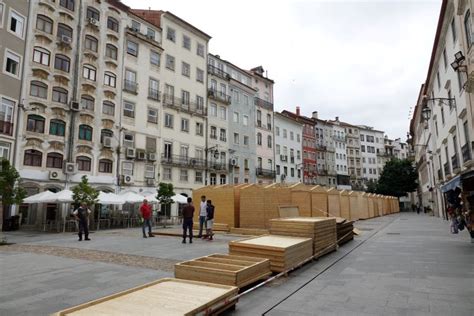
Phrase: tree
(398,178)
(371,186)
(165,193)
(11,191)
(85,193)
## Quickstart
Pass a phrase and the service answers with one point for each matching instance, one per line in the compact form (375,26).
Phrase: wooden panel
(249,231)
(364,211)
(354,205)
(302,199)
(334,203)
(345,205)
(252,207)
(162,297)
(288,211)
(319,201)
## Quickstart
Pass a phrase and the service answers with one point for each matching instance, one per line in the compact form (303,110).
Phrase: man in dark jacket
(210,219)
(82,216)
(145,211)
(188,213)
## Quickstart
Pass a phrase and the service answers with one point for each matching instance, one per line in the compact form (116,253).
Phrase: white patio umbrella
(178,198)
(64,196)
(110,198)
(132,197)
(151,198)
(42,197)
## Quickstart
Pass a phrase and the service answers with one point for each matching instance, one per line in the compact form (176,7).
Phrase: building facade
(288,151)
(371,144)
(354,159)
(339,138)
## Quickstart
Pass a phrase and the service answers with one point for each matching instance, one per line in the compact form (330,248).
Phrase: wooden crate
(345,204)
(319,201)
(321,230)
(224,269)
(163,297)
(283,252)
(249,231)
(334,203)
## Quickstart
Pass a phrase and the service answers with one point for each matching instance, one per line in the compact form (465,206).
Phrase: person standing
(188,213)
(202,215)
(145,211)
(82,216)
(210,219)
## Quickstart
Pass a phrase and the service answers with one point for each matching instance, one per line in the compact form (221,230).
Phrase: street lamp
(457,64)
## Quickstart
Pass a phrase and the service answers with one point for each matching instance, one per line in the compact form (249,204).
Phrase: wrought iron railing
(130,86)
(183,161)
(267,173)
(183,105)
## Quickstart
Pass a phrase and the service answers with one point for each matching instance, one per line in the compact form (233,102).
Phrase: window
(285,133)
(132,48)
(38,89)
(200,50)
(213,108)
(170,62)
(91,43)
(185,69)
(68,4)
(6,116)
(128,109)
(83,163)
(200,75)
(152,116)
(223,112)
(41,56)
(127,168)
(17,24)
(185,97)
(167,174)
(213,134)
(155,58)
(298,138)
(468,28)
(185,125)
(112,24)
(236,138)
(44,24)
(149,171)
(246,164)
(292,135)
(453,30)
(136,26)
(438,80)
(183,175)
(246,140)
(445,59)
(108,108)
(362,148)
(2,7)
(168,120)
(460,80)
(129,140)
(61,62)
(59,95)
(12,63)
(111,51)
(87,102)
(92,14)
(171,34)
(245,120)
(236,117)
(35,124)
(199,103)
(85,132)
(199,129)
(4,147)
(269,141)
(223,135)
(33,158)
(54,160)
(198,177)
(442,115)
(259,139)
(105,165)
(150,33)
(150,144)
(109,79)
(89,72)
(186,42)
(105,133)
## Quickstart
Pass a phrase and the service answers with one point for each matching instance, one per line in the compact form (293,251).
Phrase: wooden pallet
(162,297)
(283,252)
(224,269)
(249,231)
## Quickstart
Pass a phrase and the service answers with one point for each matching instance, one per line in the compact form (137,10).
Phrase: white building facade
(288,151)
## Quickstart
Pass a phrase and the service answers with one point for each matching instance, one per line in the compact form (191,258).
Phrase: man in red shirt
(145,211)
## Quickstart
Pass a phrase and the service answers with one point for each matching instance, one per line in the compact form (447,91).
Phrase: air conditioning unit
(107,141)
(283,157)
(66,39)
(130,153)
(53,175)
(141,155)
(150,182)
(233,162)
(75,106)
(152,156)
(192,162)
(70,168)
(93,21)
(127,179)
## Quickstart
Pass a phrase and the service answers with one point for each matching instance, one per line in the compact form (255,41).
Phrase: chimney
(298,110)
(337,118)
(315,114)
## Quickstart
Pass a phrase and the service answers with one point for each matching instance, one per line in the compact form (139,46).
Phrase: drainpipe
(206,122)
(120,128)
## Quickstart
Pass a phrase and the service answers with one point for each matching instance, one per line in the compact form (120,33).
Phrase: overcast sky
(363,61)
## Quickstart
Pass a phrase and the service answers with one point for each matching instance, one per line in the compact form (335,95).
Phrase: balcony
(218,166)
(262,103)
(466,153)
(130,86)
(212,70)
(447,171)
(265,173)
(6,128)
(153,94)
(339,138)
(183,161)
(183,105)
(455,162)
(219,96)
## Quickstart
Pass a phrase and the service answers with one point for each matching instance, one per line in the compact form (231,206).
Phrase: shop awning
(451,184)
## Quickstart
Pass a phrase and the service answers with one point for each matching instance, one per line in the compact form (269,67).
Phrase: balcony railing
(266,173)
(154,94)
(455,162)
(217,166)
(219,96)
(212,70)
(183,161)
(183,105)
(130,86)
(6,128)
(262,103)
(466,153)
(447,171)
(339,138)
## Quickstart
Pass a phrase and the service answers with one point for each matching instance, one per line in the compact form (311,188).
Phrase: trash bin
(15,225)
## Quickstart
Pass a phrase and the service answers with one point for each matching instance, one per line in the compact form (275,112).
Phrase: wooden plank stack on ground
(344,230)
(321,230)
(249,231)
(284,252)
(224,269)
(345,204)
(334,203)
(319,201)
(163,297)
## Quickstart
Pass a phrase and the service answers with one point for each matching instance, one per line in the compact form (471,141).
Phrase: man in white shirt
(202,215)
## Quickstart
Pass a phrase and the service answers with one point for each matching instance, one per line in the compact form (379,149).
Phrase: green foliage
(84,193)
(11,191)
(165,193)
(398,178)
(371,186)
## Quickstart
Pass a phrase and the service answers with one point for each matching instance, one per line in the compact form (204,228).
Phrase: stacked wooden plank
(162,297)
(249,231)
(224,269)
(283,252)
(321,230)
(344,230)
